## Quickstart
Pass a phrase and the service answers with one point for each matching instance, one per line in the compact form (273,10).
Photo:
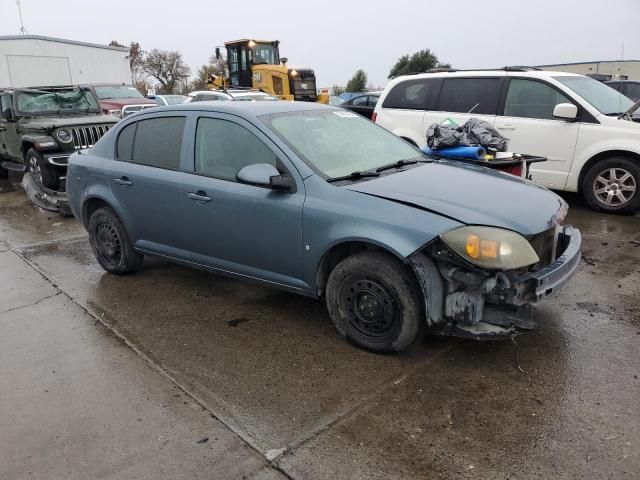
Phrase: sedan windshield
(601,96)
(106,92)
(41,102)
(337,142)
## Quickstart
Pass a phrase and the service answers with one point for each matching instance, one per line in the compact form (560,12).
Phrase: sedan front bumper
(534,286)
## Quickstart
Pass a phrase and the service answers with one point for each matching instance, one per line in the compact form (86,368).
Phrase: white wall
(22,63)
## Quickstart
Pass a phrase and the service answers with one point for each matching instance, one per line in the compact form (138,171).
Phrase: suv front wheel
(612,185)
(42,171)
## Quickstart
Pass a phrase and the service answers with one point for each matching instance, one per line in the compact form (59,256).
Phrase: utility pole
(23,31)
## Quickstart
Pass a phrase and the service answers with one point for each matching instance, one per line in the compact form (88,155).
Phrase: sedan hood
(471,195)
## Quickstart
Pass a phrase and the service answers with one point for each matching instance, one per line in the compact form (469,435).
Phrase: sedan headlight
(490,247)
(115,113)
(64,135)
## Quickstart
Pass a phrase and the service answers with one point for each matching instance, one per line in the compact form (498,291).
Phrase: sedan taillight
(373,117)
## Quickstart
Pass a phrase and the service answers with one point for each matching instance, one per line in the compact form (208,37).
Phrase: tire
(374,302)
(612,185)
(42,171)
(110,243)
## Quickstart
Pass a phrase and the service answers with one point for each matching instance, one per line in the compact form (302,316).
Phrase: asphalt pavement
(178,373)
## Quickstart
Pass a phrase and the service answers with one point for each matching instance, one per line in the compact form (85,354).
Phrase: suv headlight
(115,113)
(493,248)
(64,135)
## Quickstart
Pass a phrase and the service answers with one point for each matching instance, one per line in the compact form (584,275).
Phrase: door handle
(506,126)
(124,181)
(199,196)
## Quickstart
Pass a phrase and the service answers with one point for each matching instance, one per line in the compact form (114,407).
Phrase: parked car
(243,95)
(163,100)
(120,100)
(40,128)
(629,88)
(362,104)
(318,201)
(574,121)
(335,101)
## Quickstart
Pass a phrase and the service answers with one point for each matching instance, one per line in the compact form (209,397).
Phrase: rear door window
(360,101)
(124,146)
(470,95)
(531,99)
(410,94)
(158,142)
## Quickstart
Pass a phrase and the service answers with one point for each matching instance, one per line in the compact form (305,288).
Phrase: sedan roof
(252,109)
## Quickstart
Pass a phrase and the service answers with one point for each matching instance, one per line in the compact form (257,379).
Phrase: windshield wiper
(353,176)
(399,163)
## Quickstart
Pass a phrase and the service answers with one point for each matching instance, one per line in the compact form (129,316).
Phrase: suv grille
(86,137)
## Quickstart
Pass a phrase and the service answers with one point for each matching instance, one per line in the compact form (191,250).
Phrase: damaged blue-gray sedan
(318,201)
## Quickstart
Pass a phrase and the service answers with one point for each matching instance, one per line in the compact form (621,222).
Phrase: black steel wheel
(612,185)
(110,244)
(43,172)
(374,302)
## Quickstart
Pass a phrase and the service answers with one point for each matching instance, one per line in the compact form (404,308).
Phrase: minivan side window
(223,148)
(470,95)
(410,94)
(531,99)
(158,142)
(124,146)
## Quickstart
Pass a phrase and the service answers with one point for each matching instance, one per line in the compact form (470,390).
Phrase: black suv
(40,127)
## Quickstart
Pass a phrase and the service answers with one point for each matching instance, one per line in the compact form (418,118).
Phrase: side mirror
(7,114)
(565,111)
(264,175)
(217,53)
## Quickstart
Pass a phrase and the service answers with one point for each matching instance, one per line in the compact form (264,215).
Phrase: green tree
(336,90)
(419,62)
(217,67)
(358,82)
(115,43)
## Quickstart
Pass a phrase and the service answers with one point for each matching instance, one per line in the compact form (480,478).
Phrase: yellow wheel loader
(257,64)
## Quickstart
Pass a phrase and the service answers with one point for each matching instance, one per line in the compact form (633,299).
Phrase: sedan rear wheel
(374,303)
(110,243)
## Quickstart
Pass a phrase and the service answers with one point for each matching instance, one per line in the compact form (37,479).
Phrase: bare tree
(167,67)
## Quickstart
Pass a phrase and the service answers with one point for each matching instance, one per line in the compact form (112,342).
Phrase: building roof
(587,62)
(61,40)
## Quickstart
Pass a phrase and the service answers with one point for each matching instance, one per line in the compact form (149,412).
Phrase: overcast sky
(338,37)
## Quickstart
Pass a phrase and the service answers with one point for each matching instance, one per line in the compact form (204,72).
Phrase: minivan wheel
(110,243)
(613,185)
(374,303)
(42,171)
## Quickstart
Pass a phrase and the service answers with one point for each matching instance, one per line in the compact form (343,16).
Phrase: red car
(120,100)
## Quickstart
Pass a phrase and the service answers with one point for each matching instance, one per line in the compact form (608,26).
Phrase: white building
(33,60)
(603,70)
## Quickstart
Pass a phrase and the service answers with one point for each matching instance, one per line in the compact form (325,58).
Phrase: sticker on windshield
(346,114)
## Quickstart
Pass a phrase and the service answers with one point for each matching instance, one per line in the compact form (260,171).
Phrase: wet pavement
(268,370)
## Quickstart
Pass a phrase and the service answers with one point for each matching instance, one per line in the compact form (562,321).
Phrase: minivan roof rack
(440,69)
(519,68)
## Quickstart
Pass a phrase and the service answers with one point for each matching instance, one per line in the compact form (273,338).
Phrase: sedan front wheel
(374,303)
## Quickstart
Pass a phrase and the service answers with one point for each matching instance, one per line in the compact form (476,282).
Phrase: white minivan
(576,122)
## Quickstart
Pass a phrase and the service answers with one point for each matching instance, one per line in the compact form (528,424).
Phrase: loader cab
(242,55)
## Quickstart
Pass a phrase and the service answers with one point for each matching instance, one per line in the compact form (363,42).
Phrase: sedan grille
(543,244)
(86,137)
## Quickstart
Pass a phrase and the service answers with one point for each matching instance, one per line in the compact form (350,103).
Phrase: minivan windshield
(338,142)
(56,102)
(601,96)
